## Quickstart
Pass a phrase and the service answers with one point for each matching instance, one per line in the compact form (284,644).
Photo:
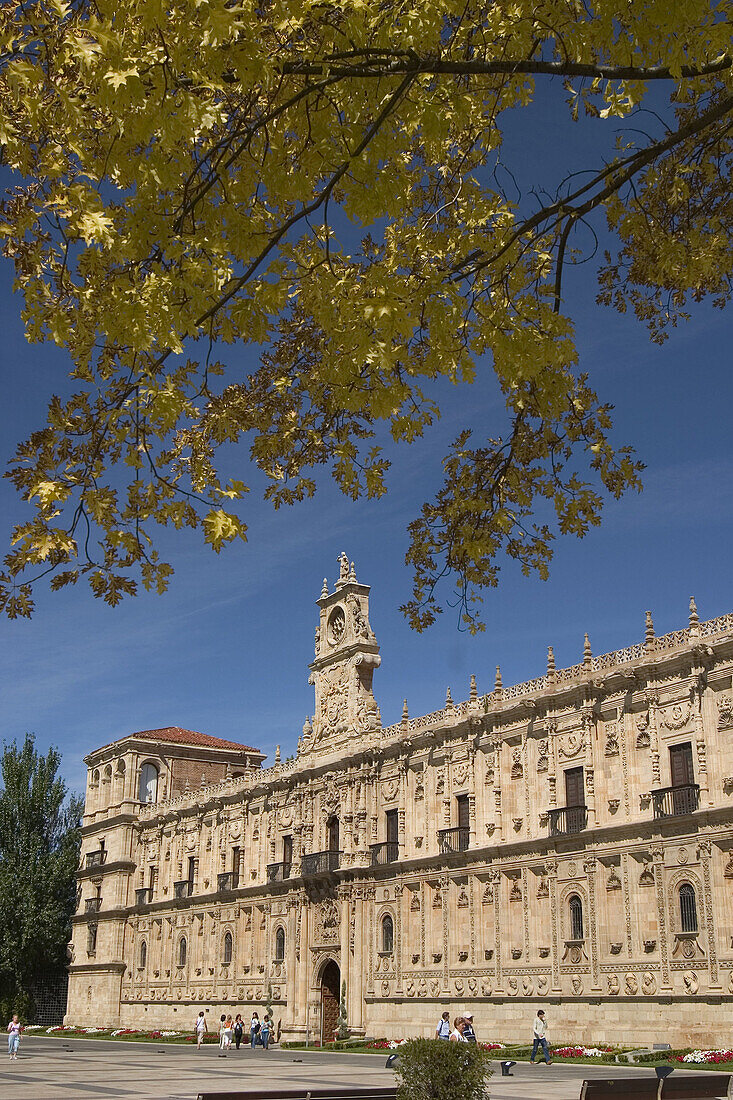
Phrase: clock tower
(346,656)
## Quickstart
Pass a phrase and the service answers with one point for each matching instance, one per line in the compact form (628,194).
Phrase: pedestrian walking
(468,1033)
(13,1038)
(238,1029)
(539,1038)
(200,1029)
(254,1029)
(228,1032)
(222,1037)
(457,1034)
(442,1031)
(265,1031)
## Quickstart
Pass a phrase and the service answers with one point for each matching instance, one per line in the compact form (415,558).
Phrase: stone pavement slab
(64,1069)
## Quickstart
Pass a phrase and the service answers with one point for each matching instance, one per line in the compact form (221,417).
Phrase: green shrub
(428,1069)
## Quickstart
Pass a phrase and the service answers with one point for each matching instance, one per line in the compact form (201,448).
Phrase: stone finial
(448,698)
(587,652)
(473,690)
(307,727)
(694,618)
(188,786)
(277,754)
(405,714)
(324,590)
(550,661)
(352,572)
(300,744)
(649,631)
(497,679)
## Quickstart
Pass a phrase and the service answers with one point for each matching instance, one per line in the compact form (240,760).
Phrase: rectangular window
(91,939)
(392,830)
(462,804)
(152,879)
(236,866)
(287,855)
(574,793)
(191,874)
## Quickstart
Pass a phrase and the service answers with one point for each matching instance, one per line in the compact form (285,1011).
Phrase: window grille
(688,908)
(387,935)
(576,918)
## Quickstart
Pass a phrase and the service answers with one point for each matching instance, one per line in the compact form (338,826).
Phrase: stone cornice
(106,868)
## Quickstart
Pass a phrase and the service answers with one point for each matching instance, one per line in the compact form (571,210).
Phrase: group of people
(234,1030)
(462,1032)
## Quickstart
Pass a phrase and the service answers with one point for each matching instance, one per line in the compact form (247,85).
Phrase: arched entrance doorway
(330,993)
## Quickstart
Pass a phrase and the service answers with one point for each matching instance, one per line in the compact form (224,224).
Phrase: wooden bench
(698,1086)
(344,1092)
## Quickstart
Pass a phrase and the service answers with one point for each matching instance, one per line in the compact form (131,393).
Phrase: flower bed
(714,1057)
(581,1052)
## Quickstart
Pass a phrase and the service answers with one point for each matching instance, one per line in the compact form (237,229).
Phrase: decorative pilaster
(658,865)
(705,851)
(590,867)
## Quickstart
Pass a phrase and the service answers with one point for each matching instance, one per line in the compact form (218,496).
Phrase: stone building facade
(564,842)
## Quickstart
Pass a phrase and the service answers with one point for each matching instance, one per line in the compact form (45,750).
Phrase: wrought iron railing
(454,840)
(227,880)
(143,895)
(675,801)
(319,862)
(183,888)
(386,852)
(96,859)
(567,819)
(278,872)
(92,905)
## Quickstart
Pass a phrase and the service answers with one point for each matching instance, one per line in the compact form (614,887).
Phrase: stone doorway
(330,995)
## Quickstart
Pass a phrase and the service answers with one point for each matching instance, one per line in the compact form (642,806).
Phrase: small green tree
(343,1030)
(39,854)
(431,1070)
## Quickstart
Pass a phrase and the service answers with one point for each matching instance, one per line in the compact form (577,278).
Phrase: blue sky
(226,650)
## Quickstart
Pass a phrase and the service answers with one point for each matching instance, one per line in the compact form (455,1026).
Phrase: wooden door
(330,991)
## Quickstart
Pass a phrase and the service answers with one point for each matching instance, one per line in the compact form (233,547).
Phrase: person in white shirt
(539,1038)
(200,1028)
(442,1031)
(13,1038)
(459,1026)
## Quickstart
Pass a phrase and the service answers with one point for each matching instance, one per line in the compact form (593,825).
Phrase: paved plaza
(56,1069)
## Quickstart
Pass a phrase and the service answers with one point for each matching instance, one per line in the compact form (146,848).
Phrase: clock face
(336,626)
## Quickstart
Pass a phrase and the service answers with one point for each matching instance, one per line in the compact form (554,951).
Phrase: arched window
(280,945)
(148,790)
(143,954)
(387,935)
(576,918)
(227,956)
(182,948)
(688,908)
(95,777)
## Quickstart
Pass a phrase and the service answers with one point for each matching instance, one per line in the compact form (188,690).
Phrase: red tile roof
(179,736)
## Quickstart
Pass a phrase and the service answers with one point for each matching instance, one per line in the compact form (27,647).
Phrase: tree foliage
(321,180)
(39,854)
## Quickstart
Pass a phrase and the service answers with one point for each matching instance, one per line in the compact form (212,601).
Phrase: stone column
(355,992)
(302,947)
(555,948)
